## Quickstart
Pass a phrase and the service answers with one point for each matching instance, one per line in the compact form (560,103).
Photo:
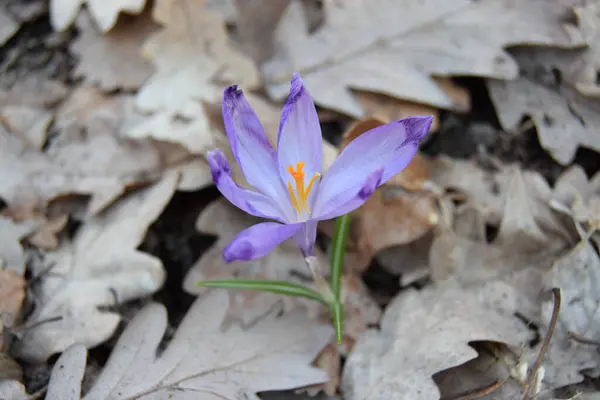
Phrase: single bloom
(289,187)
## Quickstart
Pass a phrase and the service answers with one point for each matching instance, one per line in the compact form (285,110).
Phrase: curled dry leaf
(408,43)
(104,12)
(423,332)
(202,361)
(100,267)
(113,60)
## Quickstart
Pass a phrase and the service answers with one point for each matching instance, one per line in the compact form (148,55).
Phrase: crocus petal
(250,146)
(249,201)
(299,138)
(389,147)
(351,200)
(306,237)
(258,240)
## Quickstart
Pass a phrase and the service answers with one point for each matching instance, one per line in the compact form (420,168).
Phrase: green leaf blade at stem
(337,316)
(279,287)
(342,227)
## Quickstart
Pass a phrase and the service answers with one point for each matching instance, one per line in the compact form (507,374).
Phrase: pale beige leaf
(113,60)
(191,53)
(423,332)
(88,121)
(100,267)
(29,123)
(583,72)
(12,255)
(395,47)
(577,274)
(564,119)
(8,27)
(201,361)
(104,12)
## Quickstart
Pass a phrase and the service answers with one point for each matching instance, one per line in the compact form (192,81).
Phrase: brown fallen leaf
(12,295)
(401,218)
(113,60)
(104,12)
(46,237)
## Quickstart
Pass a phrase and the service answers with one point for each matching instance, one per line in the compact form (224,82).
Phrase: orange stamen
(299,201)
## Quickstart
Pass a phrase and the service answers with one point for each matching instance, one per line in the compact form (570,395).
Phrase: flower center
(300,196)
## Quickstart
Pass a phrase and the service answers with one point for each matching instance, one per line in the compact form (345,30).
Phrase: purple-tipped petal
(388,147)
(306,236)
(258,240)
(351,200)
(299,138)
(250,146)
(251,202)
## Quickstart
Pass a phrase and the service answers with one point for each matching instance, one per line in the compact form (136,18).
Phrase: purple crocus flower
(289,187)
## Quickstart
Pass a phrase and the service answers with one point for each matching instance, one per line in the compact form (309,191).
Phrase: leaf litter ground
(175,240)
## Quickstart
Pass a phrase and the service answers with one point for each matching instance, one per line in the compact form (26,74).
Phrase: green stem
(342,226)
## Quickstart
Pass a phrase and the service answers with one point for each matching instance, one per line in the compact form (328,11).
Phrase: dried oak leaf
(580,196)
(113,60)
(565,120)
(99,267)
(577,274)
(191,53)
(531,254)
(71,163)
(202,361)
(104,12)
(423,332)
(395,47)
